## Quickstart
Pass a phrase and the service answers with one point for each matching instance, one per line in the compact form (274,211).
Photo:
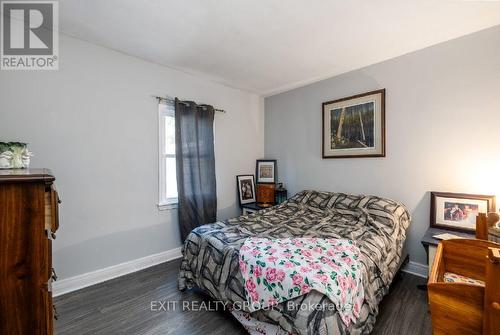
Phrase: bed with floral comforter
(377,225)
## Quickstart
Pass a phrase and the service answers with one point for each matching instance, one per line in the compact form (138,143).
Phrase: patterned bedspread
(378,225)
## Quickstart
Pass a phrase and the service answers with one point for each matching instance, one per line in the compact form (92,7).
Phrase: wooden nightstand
(250,208)
(430,243)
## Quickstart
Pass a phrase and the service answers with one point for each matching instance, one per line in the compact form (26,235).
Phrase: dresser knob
(495,305)
(56,315)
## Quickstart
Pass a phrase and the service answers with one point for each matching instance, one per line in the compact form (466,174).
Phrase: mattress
(377,225)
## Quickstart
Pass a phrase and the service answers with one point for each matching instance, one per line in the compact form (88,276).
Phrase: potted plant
(14,155)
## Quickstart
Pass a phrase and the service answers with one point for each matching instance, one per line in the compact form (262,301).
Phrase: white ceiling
(268,46)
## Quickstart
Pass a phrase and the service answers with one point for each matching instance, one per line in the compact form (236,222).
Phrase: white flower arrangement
(14,155)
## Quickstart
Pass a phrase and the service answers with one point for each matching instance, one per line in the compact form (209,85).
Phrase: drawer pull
(50,234)
(56,315)
(54,275)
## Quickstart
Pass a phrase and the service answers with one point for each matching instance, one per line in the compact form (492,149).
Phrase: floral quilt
(277,270)
(378,226)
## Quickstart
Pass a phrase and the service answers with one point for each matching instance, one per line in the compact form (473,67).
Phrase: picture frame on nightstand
(246,188)
(458,211)
(266,171)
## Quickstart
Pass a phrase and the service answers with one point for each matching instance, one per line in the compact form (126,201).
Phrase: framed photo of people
(246,188)
(354,126)
(458,211)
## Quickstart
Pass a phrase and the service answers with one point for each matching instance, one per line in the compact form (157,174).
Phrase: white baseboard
(71,284)
(416,269)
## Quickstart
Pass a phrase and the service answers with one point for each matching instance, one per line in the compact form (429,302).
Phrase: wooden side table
(430,243)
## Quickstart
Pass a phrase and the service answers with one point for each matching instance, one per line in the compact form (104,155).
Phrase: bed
(378,225)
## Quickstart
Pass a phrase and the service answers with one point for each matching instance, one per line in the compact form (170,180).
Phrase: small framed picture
(246,188)
(266,171)
(458,211)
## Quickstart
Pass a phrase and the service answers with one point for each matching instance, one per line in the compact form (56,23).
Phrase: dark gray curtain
(194,149)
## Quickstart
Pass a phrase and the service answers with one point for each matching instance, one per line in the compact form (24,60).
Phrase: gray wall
(95,124)
(443,118)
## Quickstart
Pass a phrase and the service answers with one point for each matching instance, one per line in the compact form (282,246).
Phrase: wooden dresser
(28,222)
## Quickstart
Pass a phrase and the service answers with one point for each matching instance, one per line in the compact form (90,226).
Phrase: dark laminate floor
(123,306)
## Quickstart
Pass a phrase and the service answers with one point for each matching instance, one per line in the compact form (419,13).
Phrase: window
(167,175)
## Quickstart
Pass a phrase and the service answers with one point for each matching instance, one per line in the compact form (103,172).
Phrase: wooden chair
(471,306)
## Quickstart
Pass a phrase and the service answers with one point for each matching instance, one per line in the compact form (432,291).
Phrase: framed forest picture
(354,126)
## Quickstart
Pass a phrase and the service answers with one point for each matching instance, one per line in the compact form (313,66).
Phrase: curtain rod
(172,100)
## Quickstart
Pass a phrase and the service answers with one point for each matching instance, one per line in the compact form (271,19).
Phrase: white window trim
(168,206)
(164,203)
